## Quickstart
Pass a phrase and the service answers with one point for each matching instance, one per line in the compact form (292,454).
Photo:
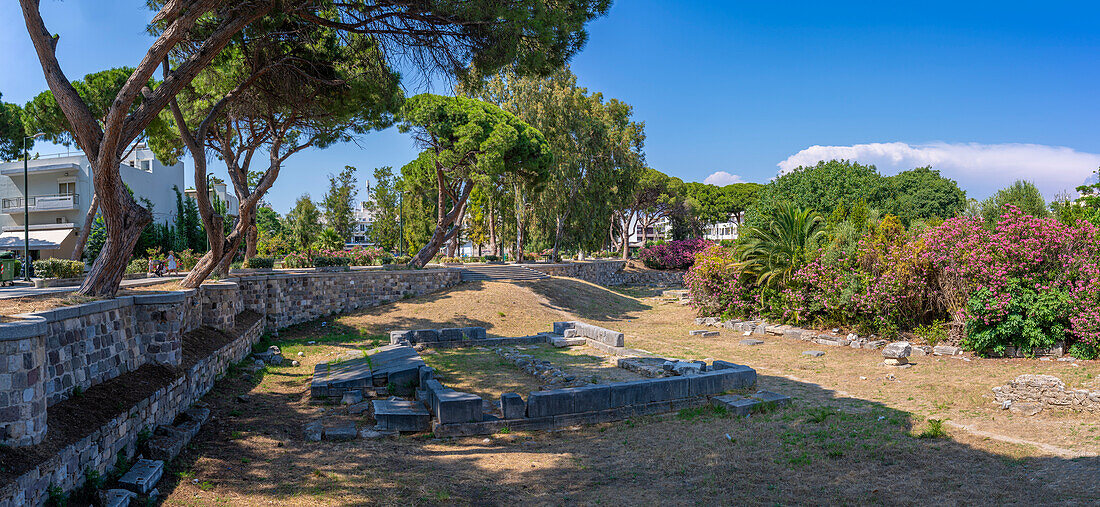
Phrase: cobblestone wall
(291,298)
(1046,391)
(99,449)
(88,344)
(221,302)
(22,391)
(609,273)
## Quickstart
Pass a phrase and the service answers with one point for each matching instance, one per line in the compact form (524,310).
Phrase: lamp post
(27,211)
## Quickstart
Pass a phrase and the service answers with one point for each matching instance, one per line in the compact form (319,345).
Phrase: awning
(50,239)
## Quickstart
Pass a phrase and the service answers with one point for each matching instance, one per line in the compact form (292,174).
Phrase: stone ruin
(412,399)
(1030,394)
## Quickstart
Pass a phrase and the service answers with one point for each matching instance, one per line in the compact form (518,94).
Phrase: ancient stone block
(735,404)
(426,335)
(342,431)
(457,407)
(752,341)
(401,415)
(813,353)
(512,406)
(143,476)
(591,398)
(897,350)
(548,403)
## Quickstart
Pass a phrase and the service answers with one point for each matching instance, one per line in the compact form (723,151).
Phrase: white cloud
(722,178)
(980,169)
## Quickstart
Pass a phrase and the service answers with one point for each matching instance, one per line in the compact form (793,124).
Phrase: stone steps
(501,272)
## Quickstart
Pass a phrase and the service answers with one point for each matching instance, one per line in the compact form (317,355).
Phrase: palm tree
(773,253)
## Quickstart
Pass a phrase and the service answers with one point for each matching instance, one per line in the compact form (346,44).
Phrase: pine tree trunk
(125,220)
(250,241)
(558,230)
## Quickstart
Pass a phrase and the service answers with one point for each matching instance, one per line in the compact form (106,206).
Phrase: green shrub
(385,258)
(297,260)
(58,268)
(260,263)
(137,266)
(326,261)
(471,259)
(934,333)
(450,260)
(492,258)
(1031,319)
(1082,350)
(402,259)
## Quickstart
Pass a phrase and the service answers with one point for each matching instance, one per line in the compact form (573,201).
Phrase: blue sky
(985,92)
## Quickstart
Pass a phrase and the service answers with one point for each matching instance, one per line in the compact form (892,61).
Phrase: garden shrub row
(1024,283)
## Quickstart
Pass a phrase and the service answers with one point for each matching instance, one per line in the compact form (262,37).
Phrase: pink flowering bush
(678,254)
(1025,284)
(717,288)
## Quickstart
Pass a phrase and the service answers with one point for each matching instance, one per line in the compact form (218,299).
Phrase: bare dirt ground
(852,436)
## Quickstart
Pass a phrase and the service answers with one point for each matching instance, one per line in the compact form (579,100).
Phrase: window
(66,187)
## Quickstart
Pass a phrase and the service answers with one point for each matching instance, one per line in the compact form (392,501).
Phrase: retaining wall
(291,298)
(98,450)
(609,272)
(45,356)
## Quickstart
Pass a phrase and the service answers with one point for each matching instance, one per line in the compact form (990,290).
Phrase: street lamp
(27,211)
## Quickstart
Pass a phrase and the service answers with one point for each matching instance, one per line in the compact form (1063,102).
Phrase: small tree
(384,202)
(304,222)
(339,202)
(467,141)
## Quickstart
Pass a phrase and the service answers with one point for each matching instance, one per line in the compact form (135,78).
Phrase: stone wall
(1045,391)
(609,273)
(291,298)
(99,449)
(45,356)
(22,390)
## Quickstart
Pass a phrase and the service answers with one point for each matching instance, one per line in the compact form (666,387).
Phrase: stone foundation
(1047,391)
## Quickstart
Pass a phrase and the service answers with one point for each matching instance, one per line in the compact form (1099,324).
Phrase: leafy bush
(187,259)
(471,259)
(1030,317)
(297,260)
(324,261)
(58,268)
(450,260)
(363,256)
(402,259)
(492,258)
(260,263)
(137,266)
(678,254)
(385,258)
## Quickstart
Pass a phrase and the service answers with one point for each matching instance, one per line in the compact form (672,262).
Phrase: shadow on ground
(585,300)
(823,450)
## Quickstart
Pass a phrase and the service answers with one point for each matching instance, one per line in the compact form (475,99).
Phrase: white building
(218,192)
(639,234)
(60,191)
(721,231)
(360,231)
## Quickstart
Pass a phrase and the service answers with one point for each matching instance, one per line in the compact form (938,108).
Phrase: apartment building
(59,192)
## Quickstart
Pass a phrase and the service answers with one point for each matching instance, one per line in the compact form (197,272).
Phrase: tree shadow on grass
(825,449)
(585,300)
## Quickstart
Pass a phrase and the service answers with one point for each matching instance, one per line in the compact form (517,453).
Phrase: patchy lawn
(845,440)
(481,371)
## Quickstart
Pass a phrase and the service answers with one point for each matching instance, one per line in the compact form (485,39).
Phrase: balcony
(57,202)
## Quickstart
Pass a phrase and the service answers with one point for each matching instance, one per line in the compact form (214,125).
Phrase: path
(23,290)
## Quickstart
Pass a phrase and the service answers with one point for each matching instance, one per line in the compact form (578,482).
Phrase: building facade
(59,192)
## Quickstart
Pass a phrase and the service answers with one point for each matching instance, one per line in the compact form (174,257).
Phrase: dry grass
(846,440)
(41,303)
(481,371)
